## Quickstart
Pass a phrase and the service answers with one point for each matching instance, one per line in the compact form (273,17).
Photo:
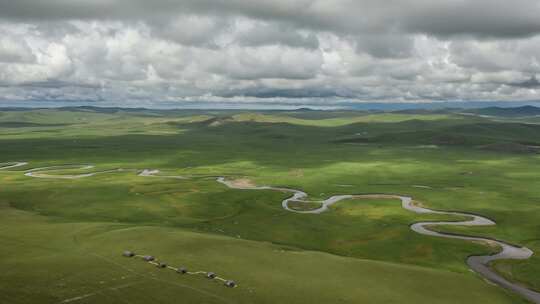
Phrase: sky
(319,52)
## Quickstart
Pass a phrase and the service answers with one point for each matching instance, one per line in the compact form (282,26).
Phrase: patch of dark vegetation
(506,112)
(449,139)
(46,131)
(424,111)
(511,147)
(277,136)
(115,110)
(88,147)
(421,137)
(289,248)
(19,124)
(321,114)
(517,137)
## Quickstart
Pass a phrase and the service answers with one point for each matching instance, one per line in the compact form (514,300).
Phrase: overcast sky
(321,51)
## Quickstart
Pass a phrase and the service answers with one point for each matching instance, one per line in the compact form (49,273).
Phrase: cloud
(15,51)
(194,30)
(530,83)
(256,34)
(361,50)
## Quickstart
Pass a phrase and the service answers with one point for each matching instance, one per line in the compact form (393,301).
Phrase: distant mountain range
(520,111)
(524,111)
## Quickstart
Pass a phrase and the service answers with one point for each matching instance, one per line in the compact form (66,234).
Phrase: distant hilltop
(507,112)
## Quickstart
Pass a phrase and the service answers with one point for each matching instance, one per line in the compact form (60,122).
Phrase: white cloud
(279,50)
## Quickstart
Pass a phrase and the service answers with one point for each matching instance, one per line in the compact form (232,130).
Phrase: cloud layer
(326,51)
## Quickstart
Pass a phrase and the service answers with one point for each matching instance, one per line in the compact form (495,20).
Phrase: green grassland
(62,239)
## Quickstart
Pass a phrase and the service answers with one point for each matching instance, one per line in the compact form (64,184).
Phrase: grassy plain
(62,239)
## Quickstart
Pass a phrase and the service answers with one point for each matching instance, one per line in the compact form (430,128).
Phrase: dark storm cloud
(489,18)
(530,83)
(484,18)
